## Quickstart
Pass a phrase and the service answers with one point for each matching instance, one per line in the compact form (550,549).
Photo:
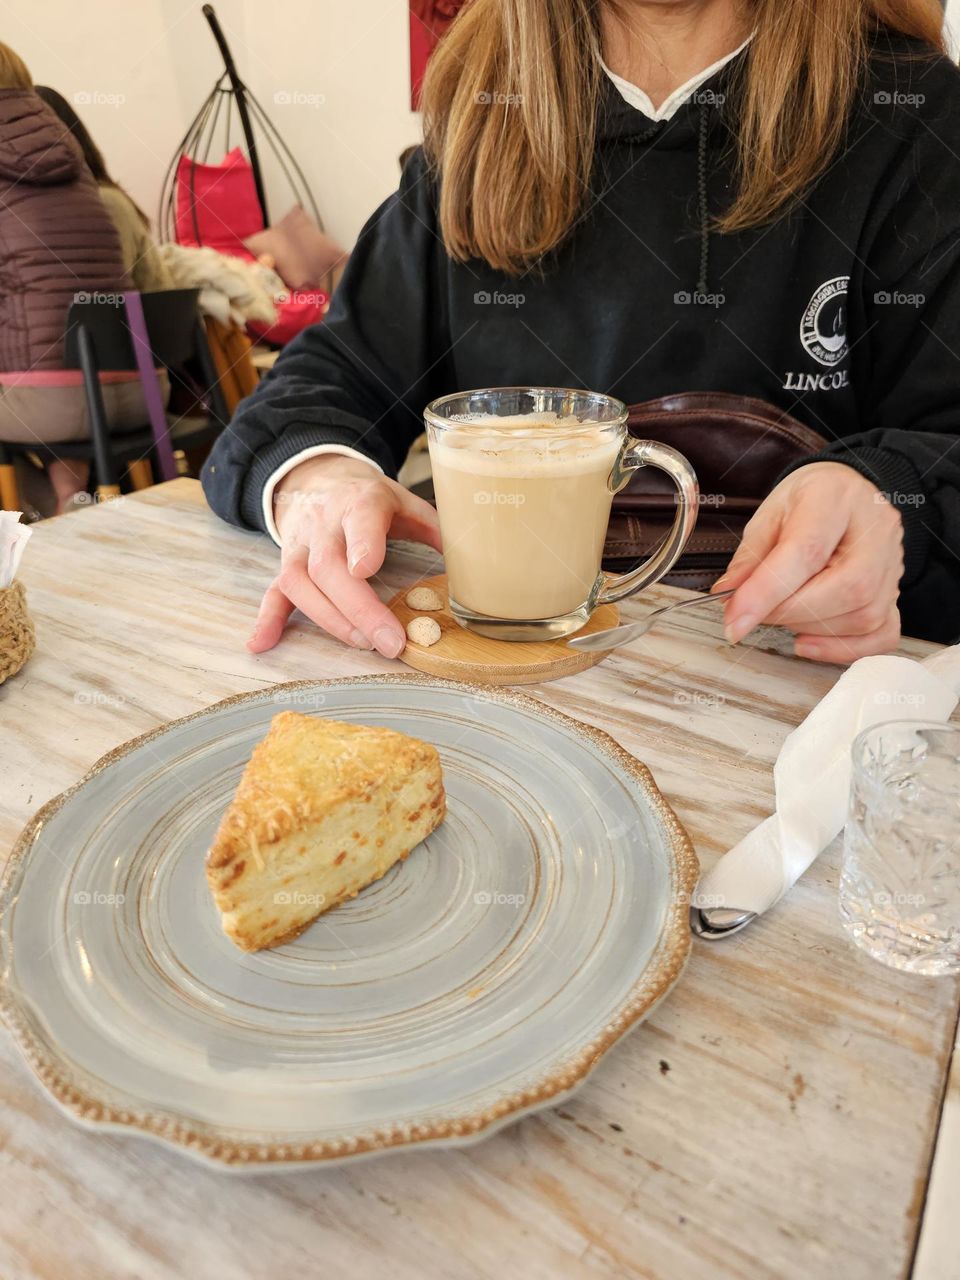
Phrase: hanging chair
(221,204)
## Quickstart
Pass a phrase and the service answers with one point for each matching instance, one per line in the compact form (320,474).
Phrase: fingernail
(387,642)
(807,650)
(356,555)
(739,627)
(359,640)
(720,581)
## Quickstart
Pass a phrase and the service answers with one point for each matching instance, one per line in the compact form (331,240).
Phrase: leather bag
(738,446)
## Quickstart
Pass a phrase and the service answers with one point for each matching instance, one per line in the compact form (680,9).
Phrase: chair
(231,349)
(98,340)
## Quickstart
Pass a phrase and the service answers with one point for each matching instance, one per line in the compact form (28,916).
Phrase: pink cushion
(217,204)
(303,254)
(300,311)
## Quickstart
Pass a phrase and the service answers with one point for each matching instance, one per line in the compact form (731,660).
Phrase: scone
(322,810)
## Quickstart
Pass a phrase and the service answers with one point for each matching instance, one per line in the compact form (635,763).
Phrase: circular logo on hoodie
(823,329)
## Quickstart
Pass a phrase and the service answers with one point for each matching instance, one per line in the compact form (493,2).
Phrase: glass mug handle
(648,453)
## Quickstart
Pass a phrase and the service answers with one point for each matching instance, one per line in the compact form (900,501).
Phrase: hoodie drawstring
(702,199)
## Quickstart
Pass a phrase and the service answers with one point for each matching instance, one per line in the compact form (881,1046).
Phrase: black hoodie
(846,311)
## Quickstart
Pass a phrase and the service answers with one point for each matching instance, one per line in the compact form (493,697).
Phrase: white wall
(333,75)
(953,27)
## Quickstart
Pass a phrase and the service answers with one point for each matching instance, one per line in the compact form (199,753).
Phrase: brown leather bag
(737,445)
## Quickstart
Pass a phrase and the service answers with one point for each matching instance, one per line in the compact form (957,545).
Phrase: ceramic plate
(478,980)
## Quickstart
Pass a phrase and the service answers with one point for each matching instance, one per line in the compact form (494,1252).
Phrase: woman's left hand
(823,556)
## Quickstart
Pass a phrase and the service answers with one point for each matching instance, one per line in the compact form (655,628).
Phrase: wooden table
(775,1118)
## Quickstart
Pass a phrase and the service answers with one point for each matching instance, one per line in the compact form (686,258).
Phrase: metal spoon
(613,637)
(712,923)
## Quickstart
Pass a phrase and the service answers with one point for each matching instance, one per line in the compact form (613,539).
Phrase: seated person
(704,197)
(58,241)
(140,257)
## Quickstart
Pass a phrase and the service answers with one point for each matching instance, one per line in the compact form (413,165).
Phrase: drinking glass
(524,479)
(900,883)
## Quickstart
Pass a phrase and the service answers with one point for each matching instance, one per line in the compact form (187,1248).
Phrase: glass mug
(524,479)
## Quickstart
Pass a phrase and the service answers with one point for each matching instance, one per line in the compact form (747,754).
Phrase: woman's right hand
(334,514)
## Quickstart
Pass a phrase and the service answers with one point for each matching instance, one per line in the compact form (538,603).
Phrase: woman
(56,240)
(140,256)
(688,195)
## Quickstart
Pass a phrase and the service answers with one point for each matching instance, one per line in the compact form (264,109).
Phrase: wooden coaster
(462,655)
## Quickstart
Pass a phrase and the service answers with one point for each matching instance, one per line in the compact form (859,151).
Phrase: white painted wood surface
(938,1254)
(775,1118)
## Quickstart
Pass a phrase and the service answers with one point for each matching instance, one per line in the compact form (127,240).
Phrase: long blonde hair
(13,70)
(511,95)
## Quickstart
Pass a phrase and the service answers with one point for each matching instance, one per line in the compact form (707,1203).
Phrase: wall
(953,27)
(333,75)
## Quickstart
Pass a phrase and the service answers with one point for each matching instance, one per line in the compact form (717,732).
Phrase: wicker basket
(17,638)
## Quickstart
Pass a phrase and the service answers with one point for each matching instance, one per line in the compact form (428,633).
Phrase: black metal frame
(196,143)
(239,90)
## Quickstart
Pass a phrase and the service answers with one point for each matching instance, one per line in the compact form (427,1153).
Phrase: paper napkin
(812,774)
(14,536)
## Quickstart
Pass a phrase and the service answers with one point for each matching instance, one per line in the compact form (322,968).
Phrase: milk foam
(528,450)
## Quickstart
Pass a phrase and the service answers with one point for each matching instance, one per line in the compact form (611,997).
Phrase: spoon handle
(613,637)
(686,604)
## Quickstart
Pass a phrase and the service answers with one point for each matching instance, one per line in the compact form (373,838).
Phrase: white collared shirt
(638,98)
